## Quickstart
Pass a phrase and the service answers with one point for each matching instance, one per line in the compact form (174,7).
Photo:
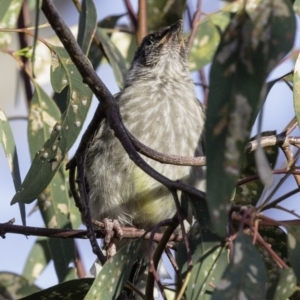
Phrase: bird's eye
(148,43)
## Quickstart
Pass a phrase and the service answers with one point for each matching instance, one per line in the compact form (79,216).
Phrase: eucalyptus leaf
(241,65)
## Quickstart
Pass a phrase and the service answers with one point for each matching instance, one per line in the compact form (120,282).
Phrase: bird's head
(161,52)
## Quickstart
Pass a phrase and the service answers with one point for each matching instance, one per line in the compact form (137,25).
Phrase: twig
(142,21)
(86,211)
(271,252)
(157,256)
(131,15)
(287,210)
(23,21)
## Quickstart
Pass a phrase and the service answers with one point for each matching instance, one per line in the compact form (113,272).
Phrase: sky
(15,248)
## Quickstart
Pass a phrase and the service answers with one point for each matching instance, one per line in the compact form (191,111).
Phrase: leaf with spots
(162,13)
(48,159)
(9,13)
(73,289)
(54,201)
(293,243)
(245,277)
(208,256)
(8,143)
(87,25)
(37,260)
(14,286)
(250,48)
(296,89)
(116,59)
(113,276)
(43,115)
(296,7)
(249,192)
(282,285)
(54,204)
(204,44)
(95,54)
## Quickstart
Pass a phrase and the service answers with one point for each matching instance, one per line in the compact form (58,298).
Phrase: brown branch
(271,252)
(142,21)
(291,161)
(131,15)
(152,276)
(128,233)
(194,23)
(23,21)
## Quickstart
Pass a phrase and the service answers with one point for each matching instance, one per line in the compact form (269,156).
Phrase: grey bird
(159,107)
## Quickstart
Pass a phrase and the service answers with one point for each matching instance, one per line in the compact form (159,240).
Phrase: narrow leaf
(110,281)
(8,143)
(245,277)
(87,25)
(14,286)
(204,45)
(246,55)
(48,159)
(9,12)
(116,59)
(296,90)
(293,243)
(283,285)
(73,289)
(37,260)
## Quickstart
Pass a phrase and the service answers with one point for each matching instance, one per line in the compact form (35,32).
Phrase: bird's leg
(112,228)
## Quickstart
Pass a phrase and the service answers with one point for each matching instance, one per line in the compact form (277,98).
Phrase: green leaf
(9,12)
(282,285)
(250,48)
(48,159)
(250,192)
(296,83)
(204,45)
(87,25)
(14,286)
(37,260)
(206,273)
(208,256)
(55,209)
(54,202)
(220,19)
(73,289)
(296,7)
(293,243)
(245,277)
(8,143)
(116,59)
(110,281)
(162,13)
(43,115)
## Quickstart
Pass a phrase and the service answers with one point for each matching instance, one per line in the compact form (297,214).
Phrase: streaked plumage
(159,107)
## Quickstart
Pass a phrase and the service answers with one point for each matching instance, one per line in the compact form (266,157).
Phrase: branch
(128,233)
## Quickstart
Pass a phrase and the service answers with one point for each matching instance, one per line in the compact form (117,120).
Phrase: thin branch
(194,23)
(157,256)
(142,21)
(291,161)
(23,21)
(271,252)
(131,15)
(128,233)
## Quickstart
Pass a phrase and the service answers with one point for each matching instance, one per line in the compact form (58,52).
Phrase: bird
(158,106)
